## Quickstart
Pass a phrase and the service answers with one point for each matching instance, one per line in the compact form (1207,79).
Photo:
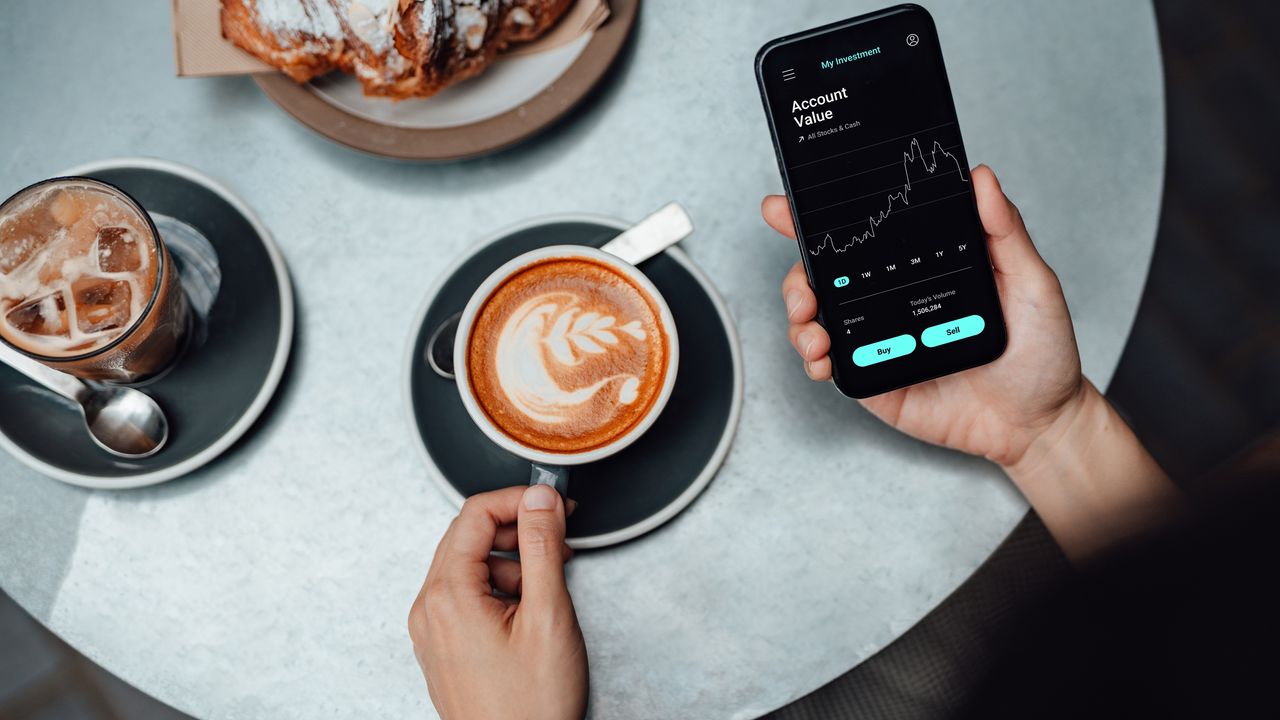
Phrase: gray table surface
(275,582)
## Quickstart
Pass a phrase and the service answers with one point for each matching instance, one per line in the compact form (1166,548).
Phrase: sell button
(965,327)
(894,347)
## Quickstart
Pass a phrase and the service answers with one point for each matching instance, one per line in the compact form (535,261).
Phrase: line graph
(897,201)
(860,172)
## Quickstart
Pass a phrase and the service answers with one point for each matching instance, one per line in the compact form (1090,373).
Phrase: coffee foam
(567,355)
(48,242)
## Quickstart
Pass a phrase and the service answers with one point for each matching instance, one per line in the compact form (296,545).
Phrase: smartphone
(869,146)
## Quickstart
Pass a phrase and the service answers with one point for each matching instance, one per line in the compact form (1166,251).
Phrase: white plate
(503,86)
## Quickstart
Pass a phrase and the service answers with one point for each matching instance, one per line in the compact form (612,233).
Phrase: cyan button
(965,327)
(842,281)
(894,347)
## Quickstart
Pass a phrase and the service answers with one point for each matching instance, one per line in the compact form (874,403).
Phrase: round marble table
(275,582)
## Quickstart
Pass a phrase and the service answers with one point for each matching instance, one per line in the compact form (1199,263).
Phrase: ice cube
(43,316)
(21,237)
(66,206)
(81,237)
(69,254)
(101,304)
(118,250)
(15,250)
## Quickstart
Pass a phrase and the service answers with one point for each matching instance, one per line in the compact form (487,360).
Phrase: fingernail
(806,341)
(539,497)
(793,302)
(569,506)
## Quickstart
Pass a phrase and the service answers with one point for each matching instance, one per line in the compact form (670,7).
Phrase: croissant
(395,48)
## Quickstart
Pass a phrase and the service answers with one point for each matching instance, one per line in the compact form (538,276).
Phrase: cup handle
(557,476)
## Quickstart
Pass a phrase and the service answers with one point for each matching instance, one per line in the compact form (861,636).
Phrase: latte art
(567,355)
(554,328)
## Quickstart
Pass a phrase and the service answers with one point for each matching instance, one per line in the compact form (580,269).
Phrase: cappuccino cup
(565,355)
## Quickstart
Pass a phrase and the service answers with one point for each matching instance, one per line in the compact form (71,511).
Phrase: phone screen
(870,151)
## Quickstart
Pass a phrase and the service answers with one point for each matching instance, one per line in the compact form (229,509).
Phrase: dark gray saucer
(224,379)
(646,484)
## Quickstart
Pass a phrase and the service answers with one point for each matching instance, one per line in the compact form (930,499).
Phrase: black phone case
(842,383)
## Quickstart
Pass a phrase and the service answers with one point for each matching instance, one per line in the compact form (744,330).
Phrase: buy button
(894,347)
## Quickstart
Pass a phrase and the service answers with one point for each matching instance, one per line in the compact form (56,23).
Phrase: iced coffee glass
(87,286)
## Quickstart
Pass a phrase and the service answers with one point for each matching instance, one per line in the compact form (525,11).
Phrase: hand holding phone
(997,411)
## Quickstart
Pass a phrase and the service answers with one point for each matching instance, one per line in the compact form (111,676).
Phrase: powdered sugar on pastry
(374,22)
(471,23)
(288,19)
(397,48)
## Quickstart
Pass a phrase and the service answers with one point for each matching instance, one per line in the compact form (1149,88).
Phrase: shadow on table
(41,574)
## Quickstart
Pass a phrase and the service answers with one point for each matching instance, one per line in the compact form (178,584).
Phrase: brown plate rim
(463,141)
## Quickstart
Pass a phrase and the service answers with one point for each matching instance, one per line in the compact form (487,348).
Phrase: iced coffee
(86,284)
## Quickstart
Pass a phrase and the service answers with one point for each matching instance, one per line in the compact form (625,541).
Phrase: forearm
(1091,480)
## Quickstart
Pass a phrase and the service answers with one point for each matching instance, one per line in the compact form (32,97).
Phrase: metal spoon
(123,421)
(647,238)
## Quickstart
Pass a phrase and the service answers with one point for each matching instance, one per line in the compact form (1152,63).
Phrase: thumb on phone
(1012,252)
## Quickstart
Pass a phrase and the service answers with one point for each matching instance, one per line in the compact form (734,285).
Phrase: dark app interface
(881,192)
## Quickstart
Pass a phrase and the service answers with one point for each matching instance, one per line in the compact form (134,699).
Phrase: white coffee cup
(551,468)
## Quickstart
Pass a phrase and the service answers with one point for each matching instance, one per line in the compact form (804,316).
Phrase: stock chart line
(903,195)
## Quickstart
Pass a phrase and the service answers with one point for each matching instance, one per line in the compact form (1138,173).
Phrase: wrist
(1090,479)
(1063,438)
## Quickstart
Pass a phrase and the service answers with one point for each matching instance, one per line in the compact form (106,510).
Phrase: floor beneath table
(1198,381)
(43,678)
